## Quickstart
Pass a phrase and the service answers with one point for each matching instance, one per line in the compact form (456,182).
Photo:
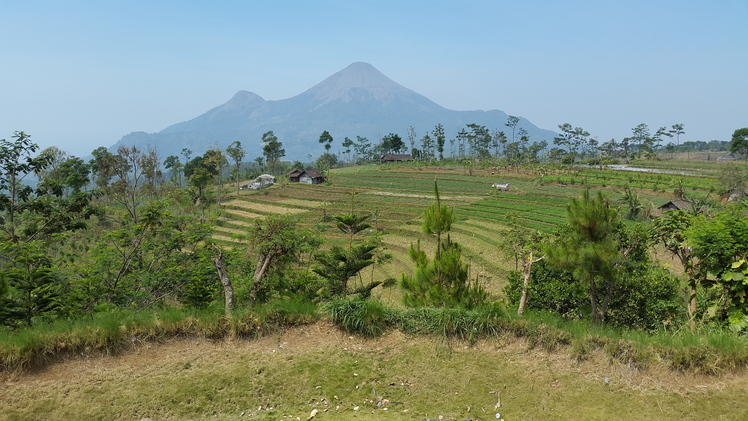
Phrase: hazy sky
(81,74)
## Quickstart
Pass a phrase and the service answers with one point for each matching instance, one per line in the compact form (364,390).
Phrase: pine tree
(443,281)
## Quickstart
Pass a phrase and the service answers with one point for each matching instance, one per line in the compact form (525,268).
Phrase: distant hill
(356,101)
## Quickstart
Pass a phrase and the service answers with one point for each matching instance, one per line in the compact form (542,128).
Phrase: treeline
(515,146)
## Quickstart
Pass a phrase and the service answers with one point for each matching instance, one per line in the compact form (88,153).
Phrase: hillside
(356,101)
(317,367)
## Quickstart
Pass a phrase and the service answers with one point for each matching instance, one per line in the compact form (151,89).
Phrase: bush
(363,317)
(551,290)
(645,300)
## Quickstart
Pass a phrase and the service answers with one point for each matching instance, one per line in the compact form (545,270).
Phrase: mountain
(356,101)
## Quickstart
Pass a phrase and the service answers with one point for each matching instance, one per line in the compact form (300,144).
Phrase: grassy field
(286,376)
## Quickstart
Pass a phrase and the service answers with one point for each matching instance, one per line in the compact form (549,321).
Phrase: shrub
(645,300)
(363,317)
(551,290)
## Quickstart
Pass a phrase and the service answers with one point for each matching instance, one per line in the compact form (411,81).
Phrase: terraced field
(395,197)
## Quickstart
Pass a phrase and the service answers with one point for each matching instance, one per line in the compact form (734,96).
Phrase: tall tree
(512,122)
(481,139)
(393,143)
(573,138)
(499,140)
(134,172)
(739,142)
(363,149)
(347,144)
(590,249)
(427,147)
(172,163)
(443,280)
(273,150)
(676,130)
(275,241)
(438,133)
(16,163)
(236,153)
(640,135)
(526,246)
(412,138)
(326,139)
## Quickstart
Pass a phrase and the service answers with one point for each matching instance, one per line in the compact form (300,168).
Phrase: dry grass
(263,207)
(287,375)
(242,213)
(302,203)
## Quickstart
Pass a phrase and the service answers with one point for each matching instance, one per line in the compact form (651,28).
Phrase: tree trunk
(606,301)
(692,305)
(526,272)
(263,262)
(596,317)
(228,289)
(693,283)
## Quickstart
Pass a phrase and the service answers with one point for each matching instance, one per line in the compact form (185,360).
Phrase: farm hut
(735,195)
(294,175)
(725,158)
(675,205)
(311,176)
(389,158)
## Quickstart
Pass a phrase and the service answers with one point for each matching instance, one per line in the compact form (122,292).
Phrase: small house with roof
(726,158)
(675,205)
(391,157)
(310,176)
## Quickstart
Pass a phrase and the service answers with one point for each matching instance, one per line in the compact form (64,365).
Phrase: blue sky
(81,74)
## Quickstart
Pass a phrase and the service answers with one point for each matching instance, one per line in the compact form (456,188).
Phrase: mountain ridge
(356,101)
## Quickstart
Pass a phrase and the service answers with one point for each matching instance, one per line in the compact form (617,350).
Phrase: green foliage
(739,142)
(34,289)
(392,143)
(351,224)
(201,286)
(278,244)
(327,161)
(141,263)
(273,150)
(633,204)
(438,218)
(551,290)
(589,249)
(645,300)
(338,265)
(326,139)
(442,281)
(363,317)
(733,178)
(721,245)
